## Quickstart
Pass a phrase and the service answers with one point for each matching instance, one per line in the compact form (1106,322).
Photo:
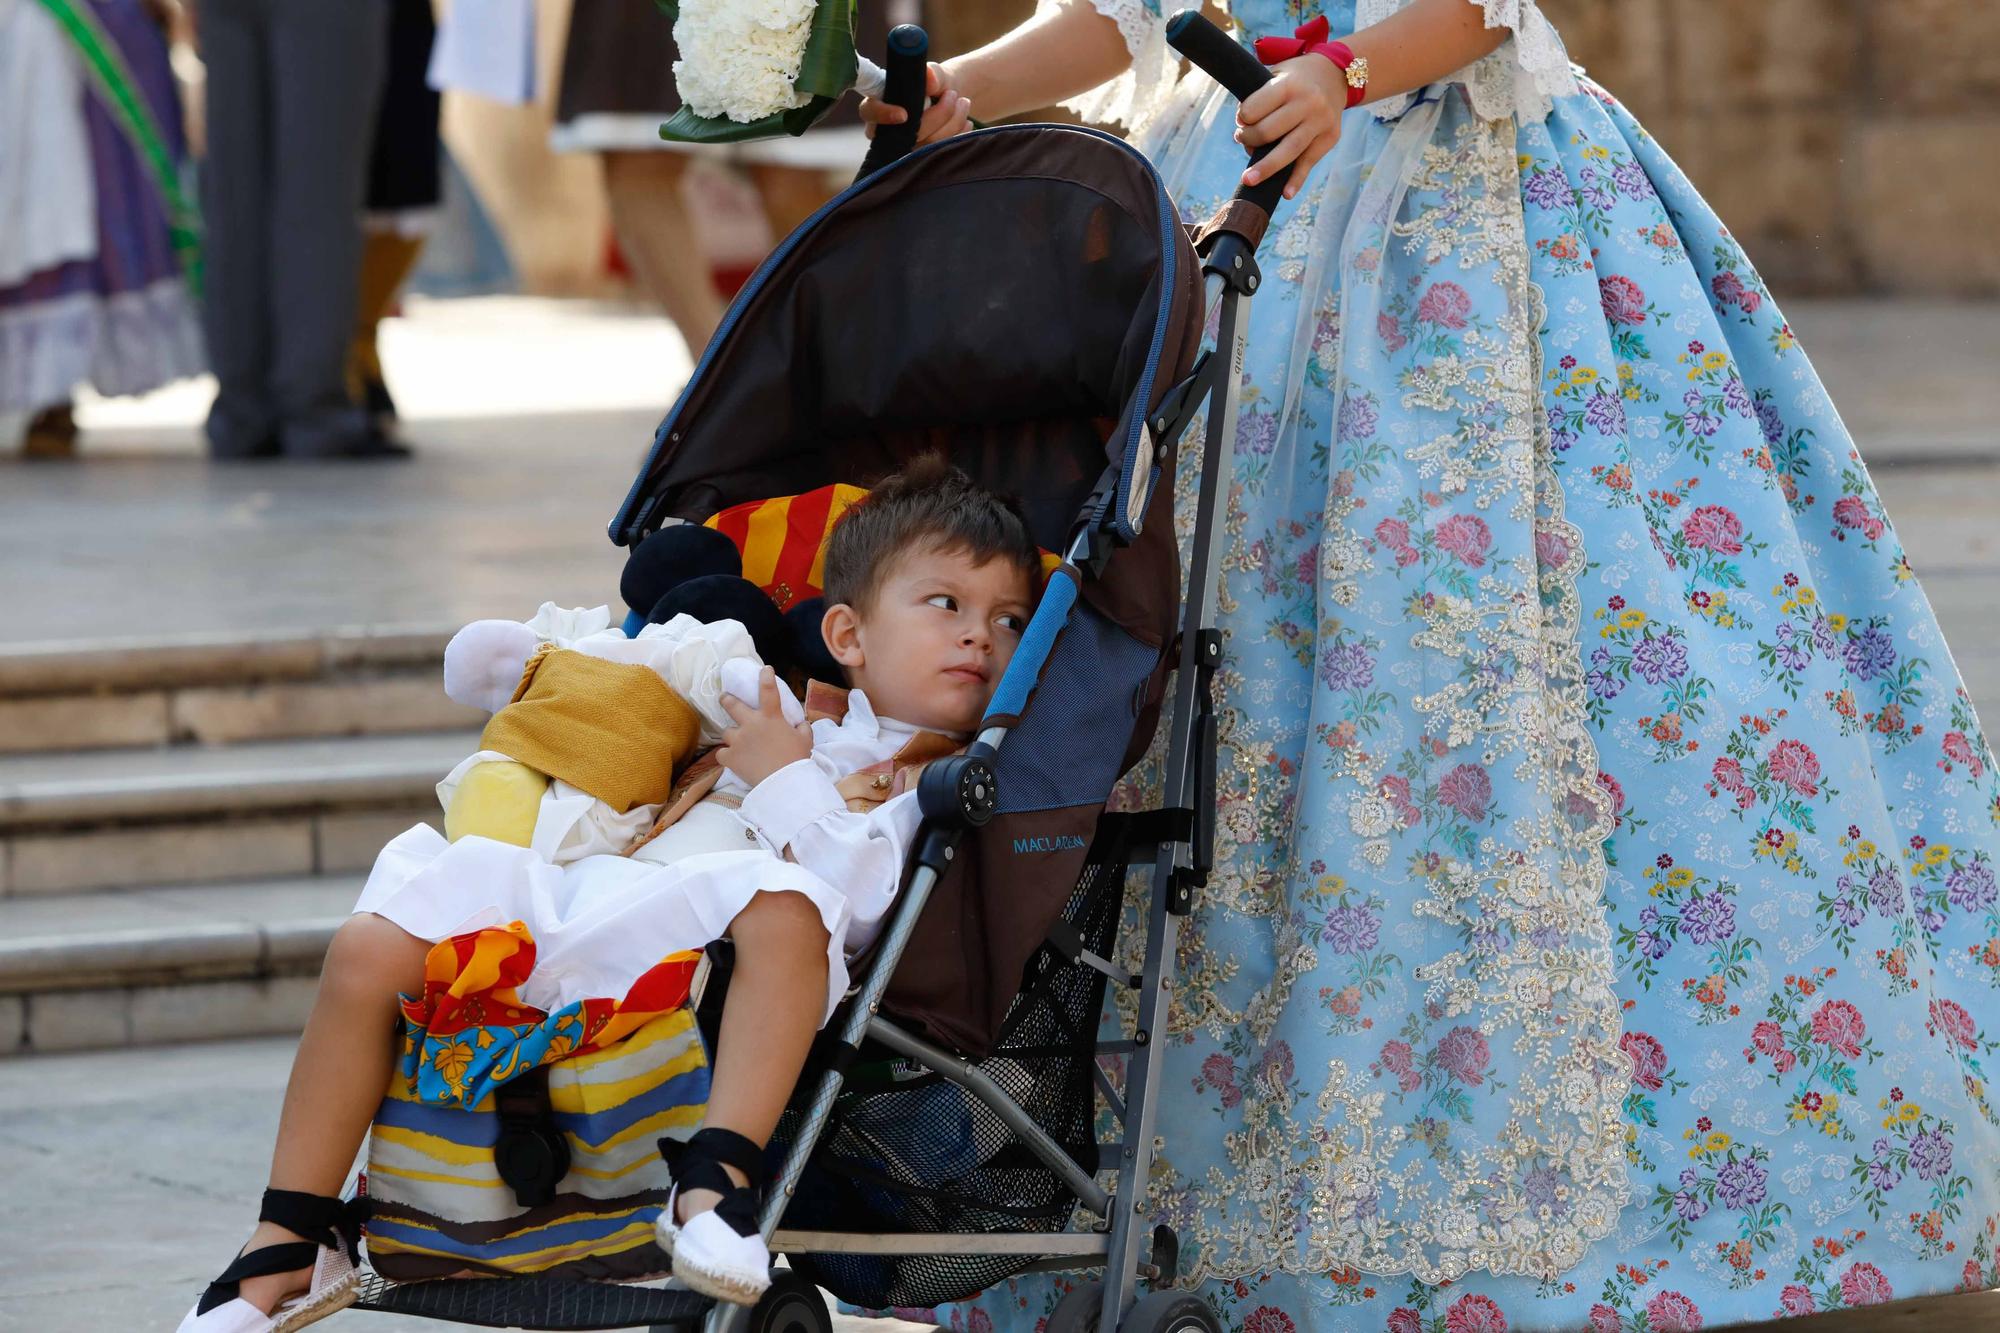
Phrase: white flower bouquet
(753,69)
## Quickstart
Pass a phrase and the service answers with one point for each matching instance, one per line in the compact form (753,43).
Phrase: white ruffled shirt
(798,813)
(599,921)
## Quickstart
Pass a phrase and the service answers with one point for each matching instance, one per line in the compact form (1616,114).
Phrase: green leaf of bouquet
(828,67)
(800,119)
(684,126)
(671,8)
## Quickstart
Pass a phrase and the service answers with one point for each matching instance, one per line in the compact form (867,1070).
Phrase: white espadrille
(711,1256)
(721,1252)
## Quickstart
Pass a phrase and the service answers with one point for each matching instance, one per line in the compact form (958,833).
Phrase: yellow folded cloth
(612,729)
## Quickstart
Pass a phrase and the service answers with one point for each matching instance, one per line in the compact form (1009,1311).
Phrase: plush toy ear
(483,662)
(809,648)
(716,597)
(672,556)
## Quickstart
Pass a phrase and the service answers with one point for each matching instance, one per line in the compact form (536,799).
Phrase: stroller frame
(1178,836)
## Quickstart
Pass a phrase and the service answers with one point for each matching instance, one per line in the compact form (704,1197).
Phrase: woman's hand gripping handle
(904,90)
(1217,55)
(900,114)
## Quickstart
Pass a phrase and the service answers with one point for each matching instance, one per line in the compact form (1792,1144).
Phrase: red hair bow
(1271,50)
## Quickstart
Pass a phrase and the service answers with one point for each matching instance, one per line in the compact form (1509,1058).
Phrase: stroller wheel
(1170,1312)
(791,1304)
(1079,1309)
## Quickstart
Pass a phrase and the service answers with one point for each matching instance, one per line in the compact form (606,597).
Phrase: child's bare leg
(777,993)
(338,1075)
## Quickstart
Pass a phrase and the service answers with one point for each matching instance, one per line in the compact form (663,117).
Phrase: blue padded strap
(1026,667)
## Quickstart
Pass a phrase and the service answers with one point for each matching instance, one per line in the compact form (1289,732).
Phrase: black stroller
(1026,300)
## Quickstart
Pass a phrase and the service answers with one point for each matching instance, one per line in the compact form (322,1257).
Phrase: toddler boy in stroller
(929,583)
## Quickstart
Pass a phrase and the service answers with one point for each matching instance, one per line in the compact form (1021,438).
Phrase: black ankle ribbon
(332,1224)
(697,1164)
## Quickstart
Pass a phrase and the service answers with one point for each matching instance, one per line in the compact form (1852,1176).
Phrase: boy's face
(929,647)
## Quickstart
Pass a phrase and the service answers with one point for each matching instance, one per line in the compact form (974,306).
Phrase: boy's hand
(761,742)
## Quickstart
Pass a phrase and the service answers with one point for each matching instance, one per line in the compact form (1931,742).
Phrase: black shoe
(375,401)
(51,435)
(262,451)
(374,446)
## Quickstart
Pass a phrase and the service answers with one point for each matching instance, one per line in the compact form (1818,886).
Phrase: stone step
(133,967)
(113,819)
(219,689)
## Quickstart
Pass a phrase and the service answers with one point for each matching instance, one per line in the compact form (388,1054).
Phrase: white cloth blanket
(599,922)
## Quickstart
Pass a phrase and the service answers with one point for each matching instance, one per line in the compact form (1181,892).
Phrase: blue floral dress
(1605,932)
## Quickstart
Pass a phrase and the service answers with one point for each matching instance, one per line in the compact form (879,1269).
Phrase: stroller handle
(906,68)
(1217,55)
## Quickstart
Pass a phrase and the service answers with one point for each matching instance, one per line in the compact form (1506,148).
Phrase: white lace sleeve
(1133,97)
(1521,79)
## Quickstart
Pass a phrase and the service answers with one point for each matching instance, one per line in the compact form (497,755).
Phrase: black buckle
(830,1054)
(1171,417)
(531,1154)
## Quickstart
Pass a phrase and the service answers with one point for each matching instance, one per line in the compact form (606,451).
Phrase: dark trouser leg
(328,58)
(236,207)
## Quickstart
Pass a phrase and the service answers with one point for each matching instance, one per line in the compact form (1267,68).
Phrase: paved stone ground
(530,417)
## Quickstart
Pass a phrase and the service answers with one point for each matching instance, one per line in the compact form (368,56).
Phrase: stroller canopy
(1017,298)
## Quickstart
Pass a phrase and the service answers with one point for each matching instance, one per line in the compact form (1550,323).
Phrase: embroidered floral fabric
(1605,904)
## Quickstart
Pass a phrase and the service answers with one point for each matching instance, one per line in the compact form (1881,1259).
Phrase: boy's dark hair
(929,503)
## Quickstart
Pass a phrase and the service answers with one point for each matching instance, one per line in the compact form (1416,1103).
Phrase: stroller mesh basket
(907,1150)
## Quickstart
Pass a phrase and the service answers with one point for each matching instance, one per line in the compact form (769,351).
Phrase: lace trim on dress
(1531,1198)
(1307,1171)
(1521,79)
(123,344)
(1134,97)
(1560,1004)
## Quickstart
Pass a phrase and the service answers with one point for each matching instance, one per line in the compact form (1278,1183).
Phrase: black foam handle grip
(1218,55)
(907,69)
